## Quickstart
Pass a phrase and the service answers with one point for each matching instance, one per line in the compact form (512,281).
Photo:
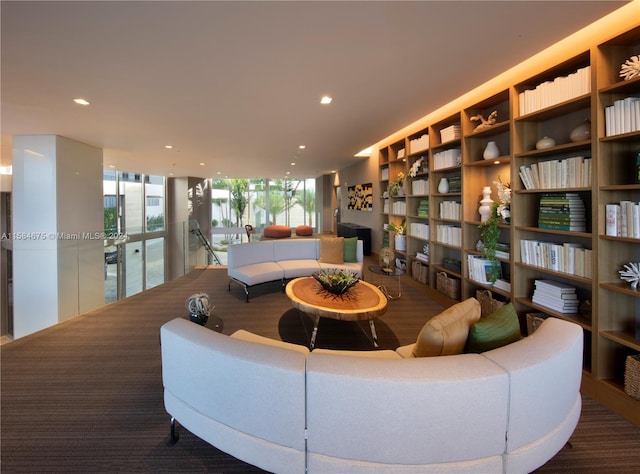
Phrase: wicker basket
(447,285)
(534,320)
(488,304)
(632,376)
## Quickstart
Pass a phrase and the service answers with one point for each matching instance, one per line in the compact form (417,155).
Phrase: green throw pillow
(496,330)
(351,249)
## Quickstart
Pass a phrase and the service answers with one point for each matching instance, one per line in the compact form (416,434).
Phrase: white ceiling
(236,85)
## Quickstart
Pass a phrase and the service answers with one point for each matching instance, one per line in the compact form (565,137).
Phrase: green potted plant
(489,235)
(396,186)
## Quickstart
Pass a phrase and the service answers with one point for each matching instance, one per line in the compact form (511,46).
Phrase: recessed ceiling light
(201,164)
(326,100)
(80,101)
(293,163)
(169,147)
(302,147)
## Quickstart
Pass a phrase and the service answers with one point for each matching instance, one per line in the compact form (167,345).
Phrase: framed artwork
(360,197)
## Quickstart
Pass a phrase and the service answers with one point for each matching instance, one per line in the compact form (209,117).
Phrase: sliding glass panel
(154,203)
(154,262)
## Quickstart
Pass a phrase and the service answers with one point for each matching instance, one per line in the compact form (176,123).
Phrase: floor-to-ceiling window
(134,221)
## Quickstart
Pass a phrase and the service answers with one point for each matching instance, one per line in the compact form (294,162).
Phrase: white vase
(491,151)
(581,132)
(401,242)
(485,204)
(544,143)
(443,186)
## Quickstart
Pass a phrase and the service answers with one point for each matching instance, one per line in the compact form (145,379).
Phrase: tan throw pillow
(332,250)
(446,333)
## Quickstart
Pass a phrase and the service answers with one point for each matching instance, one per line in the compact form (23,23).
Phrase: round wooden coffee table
(364,302)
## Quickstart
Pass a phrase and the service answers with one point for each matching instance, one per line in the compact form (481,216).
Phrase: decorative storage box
(632,376)
(447,285)
(488,304)
(534,320)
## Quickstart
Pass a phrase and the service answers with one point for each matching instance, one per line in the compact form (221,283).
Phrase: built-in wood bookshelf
(585,85)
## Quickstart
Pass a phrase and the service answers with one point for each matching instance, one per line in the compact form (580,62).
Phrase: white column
(58,249)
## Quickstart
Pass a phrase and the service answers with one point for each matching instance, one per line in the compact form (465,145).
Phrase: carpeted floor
(86,395)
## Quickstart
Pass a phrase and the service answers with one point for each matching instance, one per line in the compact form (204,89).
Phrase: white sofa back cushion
(247,399)
(402,402)
(239,255)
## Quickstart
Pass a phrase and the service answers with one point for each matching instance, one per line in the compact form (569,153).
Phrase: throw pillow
(351,249)
(332,250)
(496,330)
(446,333)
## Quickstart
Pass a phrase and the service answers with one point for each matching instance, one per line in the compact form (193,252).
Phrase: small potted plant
(199,308)
(396,186)
(400,238)
(489,234)
(337,282)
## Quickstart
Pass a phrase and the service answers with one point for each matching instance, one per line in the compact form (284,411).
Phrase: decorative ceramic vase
(401,242)
(491,151)
(581,132)
(485,204)
(544,143)
(443,186)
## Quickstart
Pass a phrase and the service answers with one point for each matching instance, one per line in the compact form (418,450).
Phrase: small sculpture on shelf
(504,200)
(631,274)
(630,68)
(484,124)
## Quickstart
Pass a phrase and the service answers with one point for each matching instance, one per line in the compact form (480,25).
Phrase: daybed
(253,263)
(284,409)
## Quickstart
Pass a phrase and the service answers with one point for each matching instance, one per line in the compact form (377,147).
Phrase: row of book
(622,117)
(423,208)
(574,172)
(420,186)
(553,92)
(483,270)
(556,295)
(562,211)
(419,144)
(416,229)
(384,174)
(449,234)
(452,132)
(566,257)
(399,207)
(450,210)
(447,158)
(623,219)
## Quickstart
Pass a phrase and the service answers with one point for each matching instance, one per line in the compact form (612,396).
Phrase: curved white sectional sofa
(253,263)
(284,409)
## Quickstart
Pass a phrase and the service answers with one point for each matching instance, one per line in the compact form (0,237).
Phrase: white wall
(58,259)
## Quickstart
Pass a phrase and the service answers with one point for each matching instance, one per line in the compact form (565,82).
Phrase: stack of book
(424,255)
(449,133)
(562,211)
(450,210)
(455,184)
(419,229)
(423,208)
(556,295)
(503,284)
